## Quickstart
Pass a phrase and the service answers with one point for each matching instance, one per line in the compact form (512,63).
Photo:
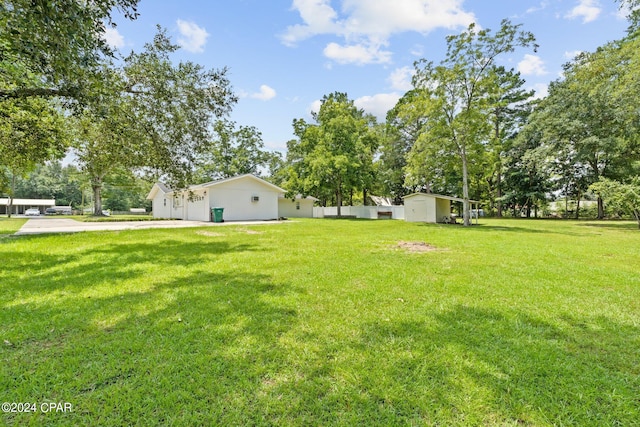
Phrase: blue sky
(284,55)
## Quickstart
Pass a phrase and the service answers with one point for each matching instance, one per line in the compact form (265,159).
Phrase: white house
(423,207)
(243,198)
(299,207)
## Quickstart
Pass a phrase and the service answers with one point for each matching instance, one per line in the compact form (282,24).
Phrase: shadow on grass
(611,225)
(515,368)
(200,340)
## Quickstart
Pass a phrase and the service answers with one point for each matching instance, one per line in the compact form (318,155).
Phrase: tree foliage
(334,156)
(622,197)
(458,94)
(55,47)
(157,117)
(235,150)
(31,131)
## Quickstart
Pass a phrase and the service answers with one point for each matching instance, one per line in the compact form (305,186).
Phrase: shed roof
(439,196)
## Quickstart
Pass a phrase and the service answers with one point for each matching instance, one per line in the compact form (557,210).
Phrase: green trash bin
(216,214)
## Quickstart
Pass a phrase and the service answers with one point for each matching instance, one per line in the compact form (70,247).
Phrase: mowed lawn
(325,322)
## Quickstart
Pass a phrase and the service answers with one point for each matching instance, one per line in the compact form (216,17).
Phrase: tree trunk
(96,185)
(339,197)
(499,194)
(364,197)
(600,208)
(465,190)
(13,192)
(578,205)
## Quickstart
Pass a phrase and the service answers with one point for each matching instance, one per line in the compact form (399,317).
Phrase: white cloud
(113,38)
(588,10)
(541,90)
(379,104)
(400,79)
(571,55)
(193,37)
(357,54)
(543,5)
(266,93)
(315,106)
(366,25)
(532,65)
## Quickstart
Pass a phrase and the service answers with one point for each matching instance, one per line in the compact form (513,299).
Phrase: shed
(243,197)
(428,207)
(299,207)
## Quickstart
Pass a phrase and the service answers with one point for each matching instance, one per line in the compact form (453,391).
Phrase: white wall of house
(161,205)
(245,199)
(197,205)
(298,208)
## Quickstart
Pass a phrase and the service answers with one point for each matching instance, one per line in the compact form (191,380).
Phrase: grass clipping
(416,246)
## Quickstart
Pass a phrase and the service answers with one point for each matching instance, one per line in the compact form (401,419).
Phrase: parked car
(50,211)
(32,212)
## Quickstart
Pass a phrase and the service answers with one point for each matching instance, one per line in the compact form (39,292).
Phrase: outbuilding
(428,207)
(243,198)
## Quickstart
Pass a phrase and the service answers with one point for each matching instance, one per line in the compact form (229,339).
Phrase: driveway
(42,225)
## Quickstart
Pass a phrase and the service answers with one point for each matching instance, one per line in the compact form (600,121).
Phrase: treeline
(468,128)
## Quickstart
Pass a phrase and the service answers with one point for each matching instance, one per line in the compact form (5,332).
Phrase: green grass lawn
(9,226)
(325,322)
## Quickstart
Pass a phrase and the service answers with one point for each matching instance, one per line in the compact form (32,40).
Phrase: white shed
(243,198)
(299,207)
(424,207)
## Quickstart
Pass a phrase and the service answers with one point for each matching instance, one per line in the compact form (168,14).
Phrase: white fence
(368,212)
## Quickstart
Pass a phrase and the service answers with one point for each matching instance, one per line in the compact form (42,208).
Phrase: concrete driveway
(43,224)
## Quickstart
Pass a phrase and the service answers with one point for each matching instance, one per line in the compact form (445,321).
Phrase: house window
(255,198)
(297,206)
(165,202)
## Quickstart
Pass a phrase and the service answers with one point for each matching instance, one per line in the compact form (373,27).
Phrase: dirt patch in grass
(247,231)
(209,233)
(416,246)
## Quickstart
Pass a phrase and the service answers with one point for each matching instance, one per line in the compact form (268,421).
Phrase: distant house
(244,197)
(426,207)
(20,205)
(299,207)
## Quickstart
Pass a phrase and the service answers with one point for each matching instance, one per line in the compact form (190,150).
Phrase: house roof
(34,202)
(235,178)
(439,196)
(159,186)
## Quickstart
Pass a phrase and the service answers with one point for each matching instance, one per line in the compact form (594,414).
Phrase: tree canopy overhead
(55,47)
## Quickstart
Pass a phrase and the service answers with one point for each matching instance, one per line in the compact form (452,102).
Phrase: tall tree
(334,155)
(458,91)
(158,117)
(509,110)
(591,114)
(235,150)
(404,124)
